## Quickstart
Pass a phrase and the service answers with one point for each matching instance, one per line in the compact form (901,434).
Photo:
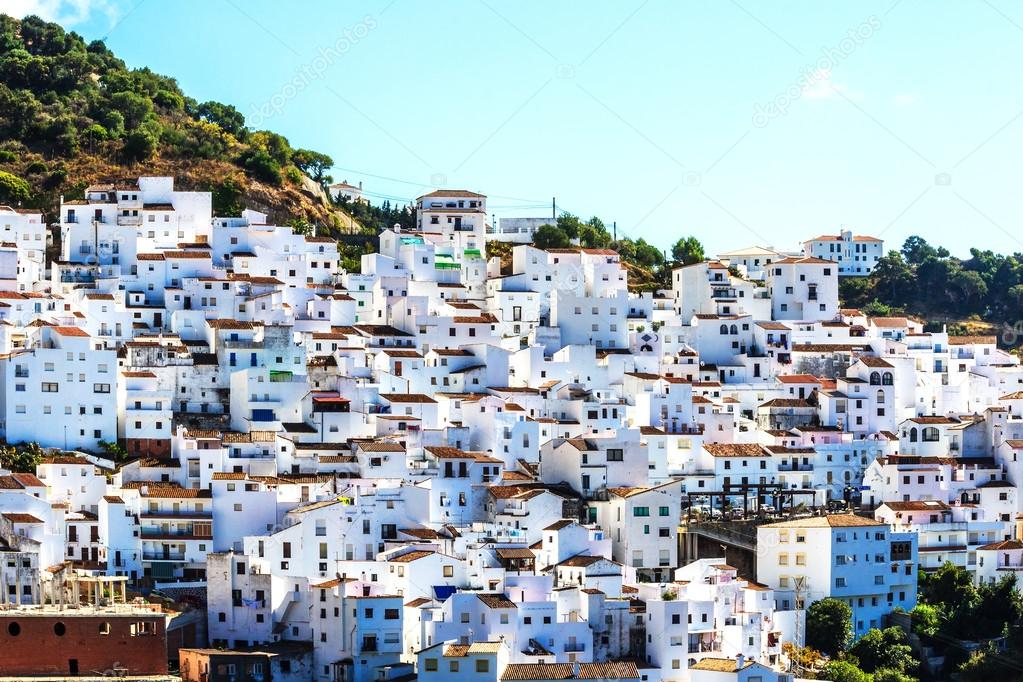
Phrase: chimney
(739,661)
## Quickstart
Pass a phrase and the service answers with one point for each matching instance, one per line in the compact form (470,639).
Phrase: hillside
(72,114)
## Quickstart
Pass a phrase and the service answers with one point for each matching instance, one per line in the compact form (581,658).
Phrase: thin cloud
(64,12)
(820,86)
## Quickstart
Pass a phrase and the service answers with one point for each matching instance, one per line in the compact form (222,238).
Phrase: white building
(856,255)
(844,556)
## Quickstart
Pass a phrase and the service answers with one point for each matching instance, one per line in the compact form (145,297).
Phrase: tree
(890,675)
(687,250)
(804,658)
(593,234)
(263,166)
(13,190)
(829,626)
(990,665)
(915,250)
(998,606)
(843,671)
(223,115)
(313,164)
(884,649)
(113,450)
(227,197)
(969,290)
(949,587)
(140,144)
(550,237)
(893,279)
(21,458)
(648,255)
(133,107)
(569,224)
(855,292)
(876,308)
(926,619)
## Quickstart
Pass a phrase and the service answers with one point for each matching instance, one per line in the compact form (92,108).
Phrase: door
(72,666)
(157,319)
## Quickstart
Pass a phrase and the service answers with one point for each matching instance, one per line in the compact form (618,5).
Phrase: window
(482,665)
(431,665)
(50,387)
(641,511)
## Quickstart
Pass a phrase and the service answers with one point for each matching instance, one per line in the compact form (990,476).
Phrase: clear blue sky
(653,114)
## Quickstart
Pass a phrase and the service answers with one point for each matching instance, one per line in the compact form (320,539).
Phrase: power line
(422,184)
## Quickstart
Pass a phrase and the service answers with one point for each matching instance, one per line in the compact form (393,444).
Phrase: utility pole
(554,209)
(614,230)
(799,635)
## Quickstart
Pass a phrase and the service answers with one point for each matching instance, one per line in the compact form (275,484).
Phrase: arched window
(912,435)
(887,379)
(880,396)
(875,379)
(724,329)
(734,329)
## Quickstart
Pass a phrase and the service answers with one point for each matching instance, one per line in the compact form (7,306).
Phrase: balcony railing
(161,556)
(704,647)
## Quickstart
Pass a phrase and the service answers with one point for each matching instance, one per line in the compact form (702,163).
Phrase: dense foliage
(952,611)
(651,268)
(61,96)
(829,626)
(375,219)
(928,281)
(21,458)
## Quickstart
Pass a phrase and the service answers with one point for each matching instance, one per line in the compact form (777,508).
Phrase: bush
(293,175)
(843,671)
(226,198)
(550,237)
(95,133)
(55,179)
(13,190)
(262,166)
(7,156)
(140,145)
(829,626)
